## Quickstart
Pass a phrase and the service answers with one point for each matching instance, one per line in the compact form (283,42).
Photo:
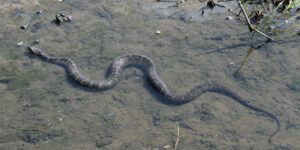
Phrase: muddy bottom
(42,108)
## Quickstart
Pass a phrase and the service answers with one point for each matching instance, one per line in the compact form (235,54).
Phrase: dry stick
(251,28)
(178,135)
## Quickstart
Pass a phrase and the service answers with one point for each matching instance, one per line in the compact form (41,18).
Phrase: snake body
(128,60)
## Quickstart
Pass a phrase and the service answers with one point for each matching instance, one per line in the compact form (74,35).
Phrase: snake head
(34,50)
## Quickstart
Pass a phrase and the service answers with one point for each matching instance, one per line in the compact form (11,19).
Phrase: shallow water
(41,108)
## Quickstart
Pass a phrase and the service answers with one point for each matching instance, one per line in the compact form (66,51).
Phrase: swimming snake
(158,84)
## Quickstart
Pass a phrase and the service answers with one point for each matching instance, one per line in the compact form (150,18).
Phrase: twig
(259,46)
(250,51)
(250,26)
(178,135)
(24,27)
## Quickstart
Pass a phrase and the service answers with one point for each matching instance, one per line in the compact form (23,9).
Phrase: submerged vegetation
(275,21)
(277,18)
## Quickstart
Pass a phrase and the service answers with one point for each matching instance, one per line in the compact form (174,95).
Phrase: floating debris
(60,18)
(39,12)
(256,16)
(20,43)
(211,4)
(230,18)
(167,147)
(158,32)
(36,42)
(231,63)
(25,26)
(178,2)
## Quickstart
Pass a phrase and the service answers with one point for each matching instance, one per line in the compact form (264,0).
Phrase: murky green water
(40,108)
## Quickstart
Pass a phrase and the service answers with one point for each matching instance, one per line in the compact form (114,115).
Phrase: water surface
(41,108)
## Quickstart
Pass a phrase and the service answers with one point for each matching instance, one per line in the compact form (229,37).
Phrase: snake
(124,61)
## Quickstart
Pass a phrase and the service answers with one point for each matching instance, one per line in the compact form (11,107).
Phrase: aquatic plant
(292,4)
(280,16)
(273,22)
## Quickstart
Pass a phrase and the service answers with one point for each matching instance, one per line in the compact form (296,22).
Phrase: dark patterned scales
(128,60)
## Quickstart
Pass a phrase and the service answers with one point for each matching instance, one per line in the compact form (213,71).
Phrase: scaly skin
(128,60)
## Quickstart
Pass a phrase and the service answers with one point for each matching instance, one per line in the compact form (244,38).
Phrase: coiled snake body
(127,60)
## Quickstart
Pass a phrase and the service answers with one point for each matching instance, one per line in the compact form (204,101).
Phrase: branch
(250,26)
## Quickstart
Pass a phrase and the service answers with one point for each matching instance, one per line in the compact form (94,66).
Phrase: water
(42,109)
